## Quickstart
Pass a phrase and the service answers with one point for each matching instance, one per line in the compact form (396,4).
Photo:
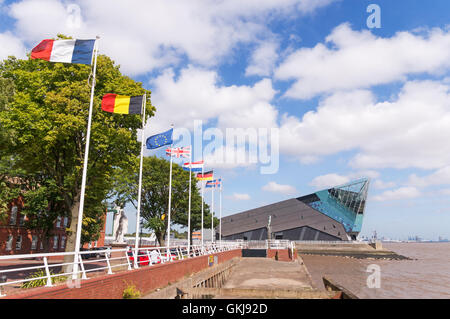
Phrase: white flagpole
(220,208)
(86,156)
(138,215)
(189,211)
(202,203)
(212,210)
(170,203)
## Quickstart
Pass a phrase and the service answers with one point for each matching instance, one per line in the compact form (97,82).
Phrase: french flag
(66,51)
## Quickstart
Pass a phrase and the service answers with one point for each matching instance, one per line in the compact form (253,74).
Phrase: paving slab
(265,273)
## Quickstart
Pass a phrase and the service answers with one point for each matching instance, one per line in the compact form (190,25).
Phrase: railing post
(128,260)
(161,257)
(150,262)
(47,271)
(83,276)
(135,257)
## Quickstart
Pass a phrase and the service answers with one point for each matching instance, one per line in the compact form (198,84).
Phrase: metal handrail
(110,255)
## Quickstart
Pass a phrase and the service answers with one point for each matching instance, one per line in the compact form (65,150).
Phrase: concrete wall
(283,254)
(145,279)
(334,246)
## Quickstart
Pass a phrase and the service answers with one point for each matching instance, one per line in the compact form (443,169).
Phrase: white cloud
(358,59)
(398,194)
(198,95)
(237,196)
(143,35)
(445,191)
(11,45)
(279,188)
(263,59)
(379,184)
(410,131)
(308,6)
(329,180)
(333,179)
(439,177)
(229,157)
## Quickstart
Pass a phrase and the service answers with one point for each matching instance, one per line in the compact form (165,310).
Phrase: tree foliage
(43,136)
(155,195)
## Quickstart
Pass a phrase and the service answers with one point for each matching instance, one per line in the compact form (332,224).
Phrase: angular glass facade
(345,204)
(331,214)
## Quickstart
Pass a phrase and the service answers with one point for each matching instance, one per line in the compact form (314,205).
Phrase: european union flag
(159,140)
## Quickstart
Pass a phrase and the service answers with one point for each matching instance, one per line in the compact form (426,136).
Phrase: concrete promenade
(250,277)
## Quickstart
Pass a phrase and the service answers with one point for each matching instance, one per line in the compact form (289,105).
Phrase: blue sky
(348,101)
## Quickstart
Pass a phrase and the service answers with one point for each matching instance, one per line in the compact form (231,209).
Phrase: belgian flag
(122,104)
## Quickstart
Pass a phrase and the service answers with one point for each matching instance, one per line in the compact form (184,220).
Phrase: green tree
(8,190)
(46,122)
(155,195)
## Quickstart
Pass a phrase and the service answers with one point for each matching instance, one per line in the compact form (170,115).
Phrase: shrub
(41,281)
(131,292)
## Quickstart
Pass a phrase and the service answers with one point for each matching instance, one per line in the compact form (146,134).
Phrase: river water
(426,276)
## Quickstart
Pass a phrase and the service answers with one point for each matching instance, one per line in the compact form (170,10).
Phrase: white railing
(279,244)
(103,261)
(328,242)
(267,244)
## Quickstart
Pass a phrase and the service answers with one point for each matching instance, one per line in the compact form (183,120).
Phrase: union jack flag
(179,151)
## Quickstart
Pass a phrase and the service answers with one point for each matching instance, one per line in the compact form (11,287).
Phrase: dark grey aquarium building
(331,214)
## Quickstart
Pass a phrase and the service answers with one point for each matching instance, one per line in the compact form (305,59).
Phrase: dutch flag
(66,51)
(195,166)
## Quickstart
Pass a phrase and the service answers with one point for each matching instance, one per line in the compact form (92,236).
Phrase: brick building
(16,239)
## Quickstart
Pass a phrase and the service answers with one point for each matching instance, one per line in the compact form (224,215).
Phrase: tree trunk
(45,242)
(160,238)
(72,235)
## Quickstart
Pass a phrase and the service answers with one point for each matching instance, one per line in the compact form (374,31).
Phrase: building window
(9,243)
(19,243)
(63,242)
(33,242)
(66,222)
(55,242)
(58,222)
(13,218)
(95,244)
(21,220)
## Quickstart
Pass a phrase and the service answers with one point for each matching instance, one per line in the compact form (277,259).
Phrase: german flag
(122,104)
(207,176)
